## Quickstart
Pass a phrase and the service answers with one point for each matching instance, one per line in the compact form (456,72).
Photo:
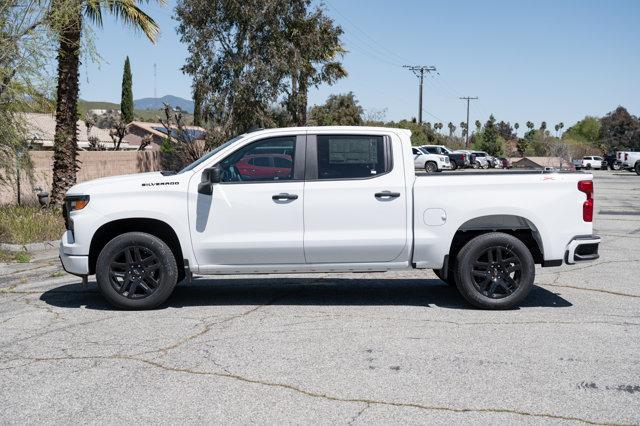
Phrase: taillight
(586,186)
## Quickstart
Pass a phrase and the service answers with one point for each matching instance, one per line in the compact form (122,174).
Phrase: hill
(157,103)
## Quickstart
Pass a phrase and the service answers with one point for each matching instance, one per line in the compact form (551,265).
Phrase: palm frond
(128,12)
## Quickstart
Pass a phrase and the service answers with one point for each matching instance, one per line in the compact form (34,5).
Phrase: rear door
(355,199)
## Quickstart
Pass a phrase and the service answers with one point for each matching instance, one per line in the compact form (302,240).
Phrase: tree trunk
(65,147)
(301,103)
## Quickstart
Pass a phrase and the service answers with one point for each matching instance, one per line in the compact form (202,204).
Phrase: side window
(416,151)
(433,150)
(255,162)
(351,156)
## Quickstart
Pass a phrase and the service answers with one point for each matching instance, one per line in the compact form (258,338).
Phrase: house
(539,163)
(158,133)
(41,129)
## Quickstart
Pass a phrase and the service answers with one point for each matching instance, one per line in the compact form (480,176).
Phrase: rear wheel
(588,166)
(136,271)
(494,271)
(637,168)
(454,165)
(430,167)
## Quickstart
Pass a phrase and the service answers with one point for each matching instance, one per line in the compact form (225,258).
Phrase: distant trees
(488,139)
(126,99)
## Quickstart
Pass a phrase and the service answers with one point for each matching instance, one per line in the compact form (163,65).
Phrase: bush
(30,224)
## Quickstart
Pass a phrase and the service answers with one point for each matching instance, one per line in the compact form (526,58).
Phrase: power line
(419,71)
(468,99)
(364,33)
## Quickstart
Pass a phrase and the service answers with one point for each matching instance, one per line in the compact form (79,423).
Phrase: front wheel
(637,168)
(136,270)
(430,167)
(588,167)
(494,271)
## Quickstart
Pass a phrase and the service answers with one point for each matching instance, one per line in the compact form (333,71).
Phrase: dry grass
(14,256)
(29,224)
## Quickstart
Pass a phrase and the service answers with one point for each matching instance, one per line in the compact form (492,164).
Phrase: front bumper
(582,249)
(76,265)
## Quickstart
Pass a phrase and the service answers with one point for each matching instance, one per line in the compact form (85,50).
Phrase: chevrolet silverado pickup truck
(347,199)
(630,160)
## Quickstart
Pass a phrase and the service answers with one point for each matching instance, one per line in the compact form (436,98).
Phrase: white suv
(430,162)
(593,162)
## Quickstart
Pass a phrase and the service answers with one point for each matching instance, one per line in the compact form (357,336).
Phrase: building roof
(42,128)
(540,161)
(158,129)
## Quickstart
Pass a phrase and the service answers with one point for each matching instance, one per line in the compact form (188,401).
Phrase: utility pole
(419,71)
(468,98)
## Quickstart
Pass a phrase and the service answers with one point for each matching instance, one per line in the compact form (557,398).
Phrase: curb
(44,245)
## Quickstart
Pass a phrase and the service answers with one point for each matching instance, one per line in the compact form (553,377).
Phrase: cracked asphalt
(394,348)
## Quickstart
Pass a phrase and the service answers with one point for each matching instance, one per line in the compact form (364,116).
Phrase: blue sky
(526,60)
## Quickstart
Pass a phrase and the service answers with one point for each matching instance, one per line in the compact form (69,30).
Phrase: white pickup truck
(339,199)
(629,160)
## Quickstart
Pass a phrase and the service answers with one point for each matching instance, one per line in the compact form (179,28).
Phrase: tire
(454,165)
(485,166)
(481,276)
(430,167)
(476,165)
(637,168)
(588,166)
(136,271)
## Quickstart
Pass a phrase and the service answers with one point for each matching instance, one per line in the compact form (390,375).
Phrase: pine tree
(126,103)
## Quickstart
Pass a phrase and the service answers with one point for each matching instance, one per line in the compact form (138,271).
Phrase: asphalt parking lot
(362,348)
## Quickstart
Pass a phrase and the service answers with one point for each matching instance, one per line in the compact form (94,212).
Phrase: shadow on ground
(300,291)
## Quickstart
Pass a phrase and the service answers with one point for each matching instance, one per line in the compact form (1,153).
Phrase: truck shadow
(300,291)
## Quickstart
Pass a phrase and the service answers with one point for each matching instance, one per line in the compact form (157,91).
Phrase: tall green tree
(338,110)
(312,43)
(197,104)
(487,140)
(253,54)
(69,28)
(619,129)
(586,130)
(126,100)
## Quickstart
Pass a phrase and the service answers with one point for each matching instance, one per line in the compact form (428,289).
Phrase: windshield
(447,150)
(209,154)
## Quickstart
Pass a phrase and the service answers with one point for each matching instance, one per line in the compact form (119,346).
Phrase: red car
(265,166)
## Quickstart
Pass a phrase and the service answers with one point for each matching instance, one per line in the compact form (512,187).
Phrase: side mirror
(209,177)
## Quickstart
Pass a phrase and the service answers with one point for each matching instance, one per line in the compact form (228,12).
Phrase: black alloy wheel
(135,272)
(496,272)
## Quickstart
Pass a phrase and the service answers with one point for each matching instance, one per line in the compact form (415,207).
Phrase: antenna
(155,80)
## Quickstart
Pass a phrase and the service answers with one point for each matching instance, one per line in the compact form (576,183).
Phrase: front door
(355,199)
(255,215)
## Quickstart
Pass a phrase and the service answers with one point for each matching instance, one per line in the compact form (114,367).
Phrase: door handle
(387,194)
(284,196)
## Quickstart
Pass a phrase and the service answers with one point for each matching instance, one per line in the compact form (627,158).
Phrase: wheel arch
(155,227)
(518,226)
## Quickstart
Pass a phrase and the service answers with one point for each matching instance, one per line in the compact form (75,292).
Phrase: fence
(93,165)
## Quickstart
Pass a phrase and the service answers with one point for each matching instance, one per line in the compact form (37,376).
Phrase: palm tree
(65,149)
(530,125)
(452,128)
(516,126)
(478,125)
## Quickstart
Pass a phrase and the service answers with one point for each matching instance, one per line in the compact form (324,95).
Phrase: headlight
(76,202)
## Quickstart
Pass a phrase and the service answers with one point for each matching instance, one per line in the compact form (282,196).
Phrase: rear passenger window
(351,156)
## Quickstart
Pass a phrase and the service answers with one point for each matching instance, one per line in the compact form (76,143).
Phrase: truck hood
(122,183)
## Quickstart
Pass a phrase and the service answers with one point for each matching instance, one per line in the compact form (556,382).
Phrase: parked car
(257,166)
(430,163)
(504,163)
(456,159)
(352,203)
(629,160)
(593,162)
(577,163)
(478,159)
